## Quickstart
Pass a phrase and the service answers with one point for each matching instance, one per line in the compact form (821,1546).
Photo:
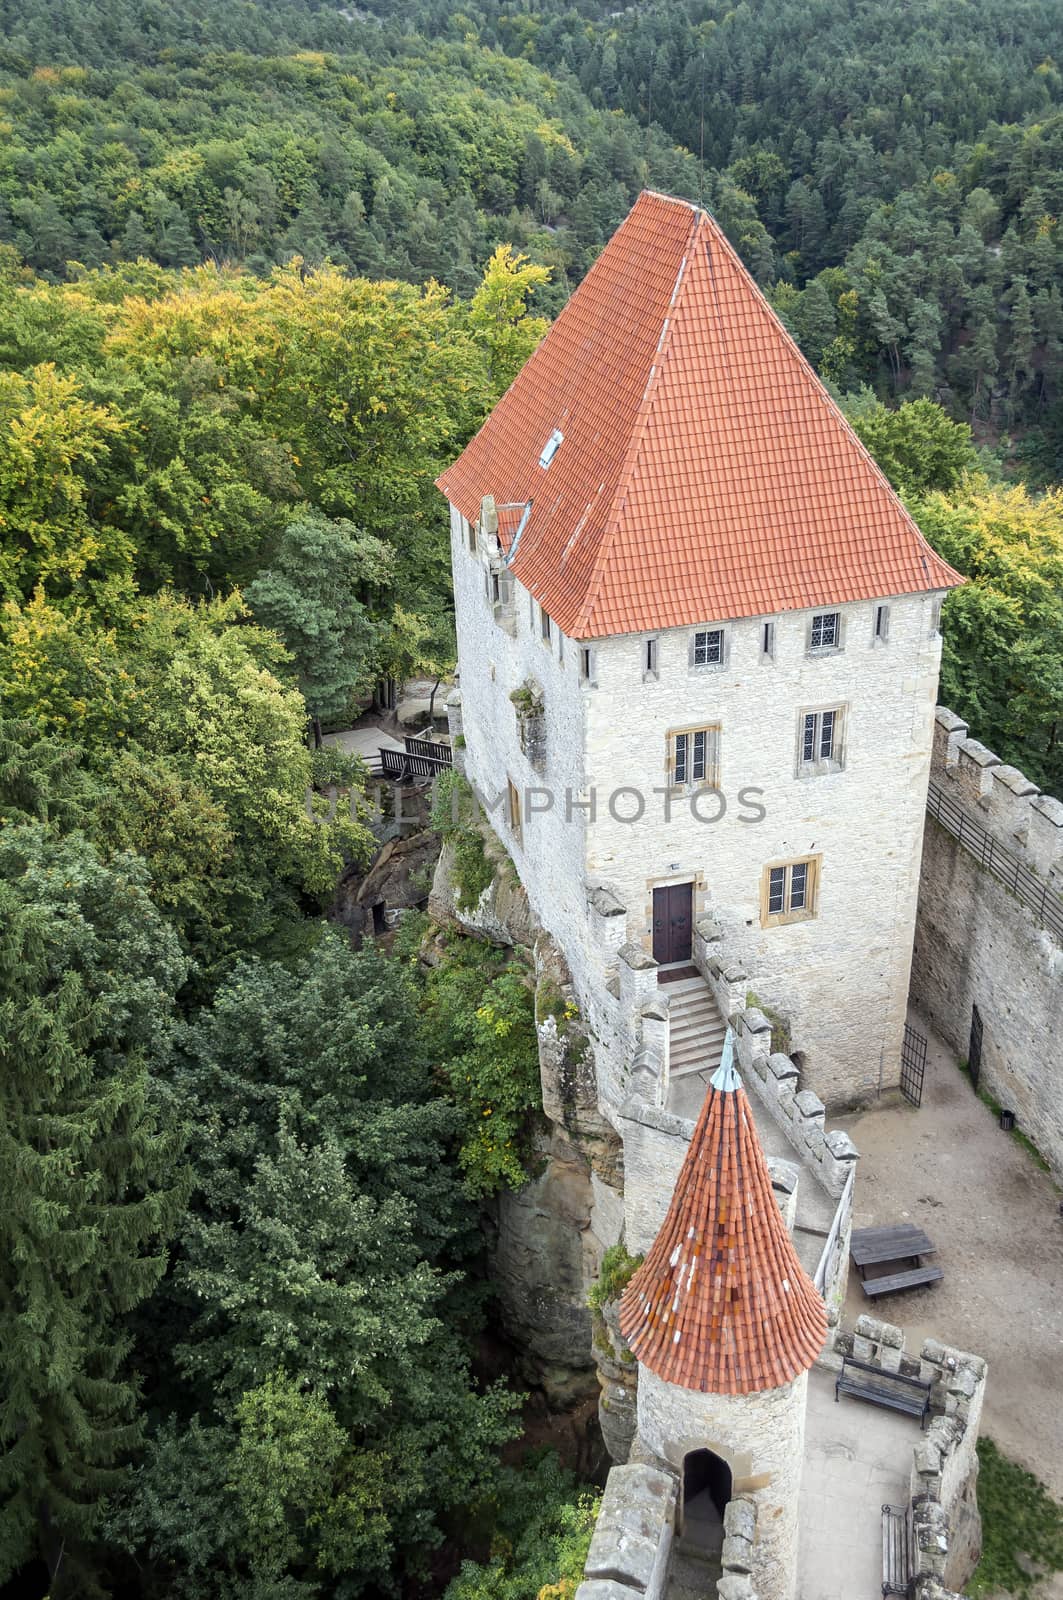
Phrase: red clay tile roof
(721,1303)
(705,473)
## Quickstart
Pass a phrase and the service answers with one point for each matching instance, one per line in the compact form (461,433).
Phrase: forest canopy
(264,269)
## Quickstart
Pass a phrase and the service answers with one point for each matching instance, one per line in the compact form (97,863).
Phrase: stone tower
(725,1324)
(698,654)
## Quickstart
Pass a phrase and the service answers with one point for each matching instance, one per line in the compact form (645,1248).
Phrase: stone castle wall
(944,1476)
(977,944)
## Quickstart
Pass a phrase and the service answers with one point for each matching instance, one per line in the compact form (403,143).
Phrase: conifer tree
(90,1186)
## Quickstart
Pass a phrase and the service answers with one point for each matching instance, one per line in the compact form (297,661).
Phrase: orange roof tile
(704,473)
(721,1303)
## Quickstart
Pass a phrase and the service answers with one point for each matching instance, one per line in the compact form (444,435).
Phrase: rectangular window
(767,640)
(586,664)
(882,624)
(820,738)
(560,648)
(471,527)
(544,625)
(708,648)
(649,658)
(496,588)
(694,757)
(788,892)
(935,619)
(513,805)
(826,631)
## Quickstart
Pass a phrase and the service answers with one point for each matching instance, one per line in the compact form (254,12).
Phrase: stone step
(697,1024)
(692,1002)
(684,986)
(694,1052)
(684,1021)
(688,1068)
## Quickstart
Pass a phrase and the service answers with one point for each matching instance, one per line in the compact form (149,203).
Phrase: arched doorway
(706,1491)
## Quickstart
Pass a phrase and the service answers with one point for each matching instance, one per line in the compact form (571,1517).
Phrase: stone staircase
(695,1028)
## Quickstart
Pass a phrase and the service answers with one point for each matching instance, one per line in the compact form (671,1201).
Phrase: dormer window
(551,447)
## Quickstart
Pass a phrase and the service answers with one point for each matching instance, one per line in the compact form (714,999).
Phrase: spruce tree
(90,1185)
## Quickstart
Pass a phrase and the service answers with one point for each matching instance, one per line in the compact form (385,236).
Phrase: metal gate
(974,1049)
(913,1064)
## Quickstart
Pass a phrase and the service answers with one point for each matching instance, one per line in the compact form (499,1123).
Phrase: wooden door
(672,907)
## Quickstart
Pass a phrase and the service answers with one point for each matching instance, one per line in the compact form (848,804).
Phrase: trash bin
(1007,1120)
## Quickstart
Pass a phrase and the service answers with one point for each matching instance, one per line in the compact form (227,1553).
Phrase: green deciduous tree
(314,593)
(1002,659)
(917,446)
(316,1300)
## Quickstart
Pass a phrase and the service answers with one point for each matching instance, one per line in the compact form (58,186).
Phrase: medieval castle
(698,660)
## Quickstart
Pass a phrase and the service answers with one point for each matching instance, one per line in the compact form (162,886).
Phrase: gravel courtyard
(994,1216)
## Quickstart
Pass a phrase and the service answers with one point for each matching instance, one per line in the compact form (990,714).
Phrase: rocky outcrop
(551,1234)
(618,1379)
(396,881)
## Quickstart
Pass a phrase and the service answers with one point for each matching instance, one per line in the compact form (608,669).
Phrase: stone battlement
(1003,801)
(945,1522)
(988,958)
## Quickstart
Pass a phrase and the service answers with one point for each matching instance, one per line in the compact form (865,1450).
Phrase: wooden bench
(893,1282)
(896,1550)
(893,1389)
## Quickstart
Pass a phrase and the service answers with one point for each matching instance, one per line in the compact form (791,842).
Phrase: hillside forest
(264,269)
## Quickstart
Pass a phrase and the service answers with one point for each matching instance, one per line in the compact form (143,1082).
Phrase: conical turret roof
(722,1304)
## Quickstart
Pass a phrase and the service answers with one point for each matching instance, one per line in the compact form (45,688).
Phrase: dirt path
(994,1216)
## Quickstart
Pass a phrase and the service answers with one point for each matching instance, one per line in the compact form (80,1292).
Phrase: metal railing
(994,858)
(841,1216)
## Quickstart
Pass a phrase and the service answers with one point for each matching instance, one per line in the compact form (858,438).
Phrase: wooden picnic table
(901,1242)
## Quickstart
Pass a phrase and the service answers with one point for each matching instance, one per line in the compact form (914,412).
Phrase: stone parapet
(944,1472)
(1001,799)
(633,1535)
(800,1113)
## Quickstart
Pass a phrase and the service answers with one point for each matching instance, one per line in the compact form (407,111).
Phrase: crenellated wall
(944,1508)
(979,943)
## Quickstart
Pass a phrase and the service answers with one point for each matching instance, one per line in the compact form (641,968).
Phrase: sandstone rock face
(618,1377)
(551,1234)
(542,1262)
(395,881)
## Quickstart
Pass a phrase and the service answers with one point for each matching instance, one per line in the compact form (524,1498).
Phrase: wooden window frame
(513,811)
(810,881)
(688,783)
